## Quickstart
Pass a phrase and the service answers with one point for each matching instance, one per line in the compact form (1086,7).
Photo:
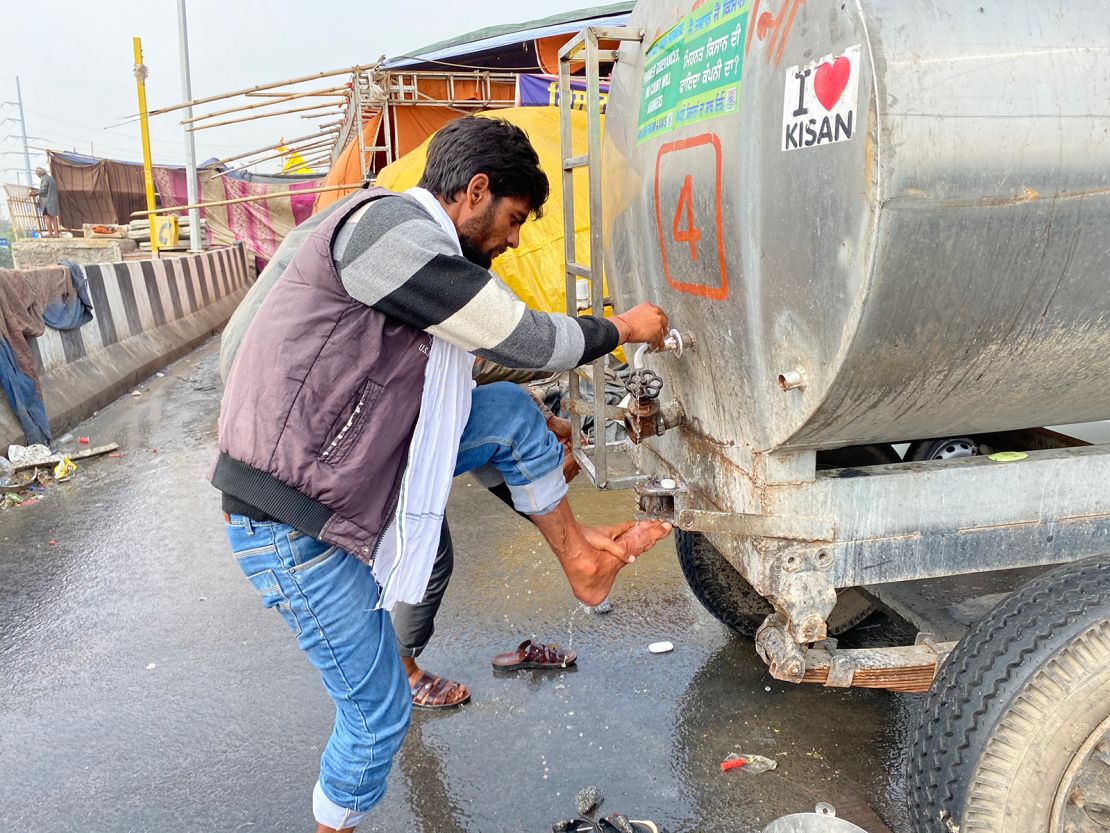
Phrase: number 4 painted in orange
(691,234)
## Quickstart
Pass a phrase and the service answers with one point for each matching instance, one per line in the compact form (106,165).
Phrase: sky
(74,61)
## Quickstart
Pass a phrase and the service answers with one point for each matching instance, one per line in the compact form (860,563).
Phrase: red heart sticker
(830,81)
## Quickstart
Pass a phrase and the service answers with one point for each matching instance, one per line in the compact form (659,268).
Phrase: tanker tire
(734,602)
(943,449)
(857,456)
(1007,711)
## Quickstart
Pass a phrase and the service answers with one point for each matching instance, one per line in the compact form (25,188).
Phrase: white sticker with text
(819,105)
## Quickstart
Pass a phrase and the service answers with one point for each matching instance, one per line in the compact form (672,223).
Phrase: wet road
(144,687)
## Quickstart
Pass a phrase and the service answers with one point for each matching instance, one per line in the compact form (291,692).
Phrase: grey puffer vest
(322,402)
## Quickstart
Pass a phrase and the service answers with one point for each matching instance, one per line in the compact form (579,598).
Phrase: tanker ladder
(593,458)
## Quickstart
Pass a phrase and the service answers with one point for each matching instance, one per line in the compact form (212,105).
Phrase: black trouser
(414,624)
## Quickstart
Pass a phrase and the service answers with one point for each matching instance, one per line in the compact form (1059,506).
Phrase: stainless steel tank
(882,220)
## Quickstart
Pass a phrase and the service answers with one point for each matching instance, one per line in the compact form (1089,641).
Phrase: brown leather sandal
(432,692)
(531,654)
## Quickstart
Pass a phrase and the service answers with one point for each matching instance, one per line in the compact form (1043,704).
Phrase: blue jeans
(506,439)
(329,599)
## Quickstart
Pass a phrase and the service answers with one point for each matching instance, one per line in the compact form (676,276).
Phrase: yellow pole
(144,128)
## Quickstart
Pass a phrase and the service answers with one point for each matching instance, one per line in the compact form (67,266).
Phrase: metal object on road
(822,820)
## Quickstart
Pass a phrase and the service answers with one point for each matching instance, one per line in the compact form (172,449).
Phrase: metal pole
(356,101)
(190,145)
(144,130)
(570,254)
(23,127)
(597,273)
(387,105)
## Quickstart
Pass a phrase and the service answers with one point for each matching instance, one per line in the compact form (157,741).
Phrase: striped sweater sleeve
(392,256)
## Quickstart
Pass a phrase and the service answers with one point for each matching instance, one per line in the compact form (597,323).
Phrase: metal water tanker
(882,220)
(875,222)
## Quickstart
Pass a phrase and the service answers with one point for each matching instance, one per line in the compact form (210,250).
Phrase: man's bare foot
(642,537)
(593,571)
(430,691)
(591,558)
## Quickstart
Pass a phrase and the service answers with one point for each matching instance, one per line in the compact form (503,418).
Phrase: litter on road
(755,764)
(54,459)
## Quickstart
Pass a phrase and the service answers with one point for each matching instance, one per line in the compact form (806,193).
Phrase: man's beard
(474,230)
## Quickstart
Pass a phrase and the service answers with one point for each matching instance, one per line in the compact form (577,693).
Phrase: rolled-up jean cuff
(330,814)
(540,496)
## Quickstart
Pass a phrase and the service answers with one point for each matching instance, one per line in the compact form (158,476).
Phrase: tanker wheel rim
(1071,811)
(955,449)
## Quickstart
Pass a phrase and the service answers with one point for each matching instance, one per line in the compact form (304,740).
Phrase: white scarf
(408,546)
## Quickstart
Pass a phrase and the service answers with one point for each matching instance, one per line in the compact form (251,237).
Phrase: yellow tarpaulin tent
(535,270)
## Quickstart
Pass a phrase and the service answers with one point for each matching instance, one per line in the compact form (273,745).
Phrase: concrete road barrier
(146,314)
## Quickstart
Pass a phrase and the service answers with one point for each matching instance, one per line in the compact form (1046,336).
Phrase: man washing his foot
(350,407)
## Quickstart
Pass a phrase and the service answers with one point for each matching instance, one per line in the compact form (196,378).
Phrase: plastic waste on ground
(65,470)
(28,455)
(752,764)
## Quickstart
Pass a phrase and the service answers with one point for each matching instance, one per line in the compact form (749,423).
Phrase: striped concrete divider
(146,313)
(137,296)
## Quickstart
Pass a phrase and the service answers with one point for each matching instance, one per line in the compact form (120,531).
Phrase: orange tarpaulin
(346,167)
(412,125)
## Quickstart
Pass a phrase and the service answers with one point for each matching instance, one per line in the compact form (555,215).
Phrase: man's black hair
(473,145)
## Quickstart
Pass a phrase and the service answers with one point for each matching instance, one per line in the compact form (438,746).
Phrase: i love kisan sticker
(819,105)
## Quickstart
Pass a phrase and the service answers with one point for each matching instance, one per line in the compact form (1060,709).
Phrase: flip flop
(529,654)
(575,825)
(431,692)
(617,823)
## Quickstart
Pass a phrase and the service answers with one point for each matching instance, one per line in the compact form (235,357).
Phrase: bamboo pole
(311,163)
(274,146)
(259,87)
(306,163)
(265,116)
(286,152)
(316,156)
(255,198)
(279,94)
(259,104)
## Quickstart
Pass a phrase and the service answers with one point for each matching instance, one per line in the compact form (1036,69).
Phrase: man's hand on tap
(643,324)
